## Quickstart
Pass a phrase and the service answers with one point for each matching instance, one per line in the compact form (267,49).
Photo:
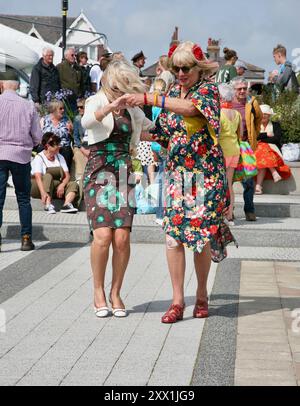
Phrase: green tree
(286,106)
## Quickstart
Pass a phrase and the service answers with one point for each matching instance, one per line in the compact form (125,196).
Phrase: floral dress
(196,188)
(108,179)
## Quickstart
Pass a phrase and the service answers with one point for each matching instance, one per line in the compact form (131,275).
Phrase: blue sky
(252,28)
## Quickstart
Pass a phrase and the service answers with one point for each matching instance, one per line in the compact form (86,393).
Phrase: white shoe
(50,209)
(159,221)
(119,313)
(102,312)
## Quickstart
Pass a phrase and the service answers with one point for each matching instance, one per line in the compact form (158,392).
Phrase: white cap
(241,64)
(266,109)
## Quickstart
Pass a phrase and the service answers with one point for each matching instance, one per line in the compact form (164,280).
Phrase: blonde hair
(159,86)
(184,56)
(164,62)
(123,77)
(54,105)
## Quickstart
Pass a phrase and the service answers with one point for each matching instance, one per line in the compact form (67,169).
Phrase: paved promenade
(52,337)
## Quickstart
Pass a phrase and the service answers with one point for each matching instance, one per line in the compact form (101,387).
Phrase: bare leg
(99,258)
(176,263)
(229,174)
(151,173)
(275,175)
(70,198)
(121,255)
(261,176)
(202,266)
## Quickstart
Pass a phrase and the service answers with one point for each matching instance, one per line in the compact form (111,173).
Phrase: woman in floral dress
(196,190)
(113,131)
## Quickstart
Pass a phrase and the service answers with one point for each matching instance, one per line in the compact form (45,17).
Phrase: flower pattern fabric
(61,130)
(196,187)
(108,180)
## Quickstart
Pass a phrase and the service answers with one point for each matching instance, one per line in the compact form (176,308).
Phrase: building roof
(49,34)
(253,73)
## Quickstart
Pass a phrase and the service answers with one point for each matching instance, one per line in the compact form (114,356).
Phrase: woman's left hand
(134,100)
(69,126)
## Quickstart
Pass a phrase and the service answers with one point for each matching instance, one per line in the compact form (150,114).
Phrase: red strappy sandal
(201,309)
(174,314)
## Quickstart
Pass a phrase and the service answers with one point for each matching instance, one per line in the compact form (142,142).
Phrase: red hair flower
(198,53)
(172,50)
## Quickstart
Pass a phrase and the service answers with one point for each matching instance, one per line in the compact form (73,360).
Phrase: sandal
(174,314)
(258,190)
(277,177)
(201,309)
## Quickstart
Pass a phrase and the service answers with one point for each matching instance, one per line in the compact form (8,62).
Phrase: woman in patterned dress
(113,131)
(196,189)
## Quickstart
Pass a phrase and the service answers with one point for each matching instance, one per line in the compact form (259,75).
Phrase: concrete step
(286,187)
(266,205)
(266,232)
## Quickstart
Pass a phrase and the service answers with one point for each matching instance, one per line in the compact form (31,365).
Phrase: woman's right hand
(45,197)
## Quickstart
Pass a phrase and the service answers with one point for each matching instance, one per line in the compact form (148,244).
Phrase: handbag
(143,201)
(247,167)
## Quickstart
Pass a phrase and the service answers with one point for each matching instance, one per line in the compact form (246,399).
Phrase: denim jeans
(248,185)
(22,182)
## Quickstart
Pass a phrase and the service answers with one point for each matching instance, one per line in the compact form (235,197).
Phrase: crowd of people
(184,129)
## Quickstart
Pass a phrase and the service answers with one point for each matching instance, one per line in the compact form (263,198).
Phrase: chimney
(175,40)
(213,49)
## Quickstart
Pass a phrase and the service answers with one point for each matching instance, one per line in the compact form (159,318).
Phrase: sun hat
(266,109)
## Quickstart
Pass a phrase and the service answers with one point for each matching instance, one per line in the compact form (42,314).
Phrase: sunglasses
(80,107)
(241,88)
(183,69)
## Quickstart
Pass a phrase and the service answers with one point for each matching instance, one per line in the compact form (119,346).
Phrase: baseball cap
(241,64)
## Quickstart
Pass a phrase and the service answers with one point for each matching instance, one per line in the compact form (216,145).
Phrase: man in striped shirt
(19,132)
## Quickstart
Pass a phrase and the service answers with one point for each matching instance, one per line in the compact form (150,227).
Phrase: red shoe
(174,314)
(201,309)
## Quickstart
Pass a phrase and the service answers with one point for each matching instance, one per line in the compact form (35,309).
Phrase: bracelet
(145,99)
(155,99)
(163,101)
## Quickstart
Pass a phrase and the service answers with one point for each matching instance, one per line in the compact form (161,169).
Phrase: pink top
(20,128)
(240,107)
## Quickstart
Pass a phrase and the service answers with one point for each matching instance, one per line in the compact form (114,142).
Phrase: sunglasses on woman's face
(183,69)
(80,107)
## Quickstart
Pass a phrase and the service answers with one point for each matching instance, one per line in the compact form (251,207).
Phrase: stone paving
(267,347)
(53,338)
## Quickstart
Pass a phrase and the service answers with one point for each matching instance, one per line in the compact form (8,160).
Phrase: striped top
(20,128)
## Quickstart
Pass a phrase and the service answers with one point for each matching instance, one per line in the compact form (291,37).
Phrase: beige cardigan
(100,131)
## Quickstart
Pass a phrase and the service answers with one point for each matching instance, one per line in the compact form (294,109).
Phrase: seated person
(58,124)
(270,163)
(81,151)
(51,177)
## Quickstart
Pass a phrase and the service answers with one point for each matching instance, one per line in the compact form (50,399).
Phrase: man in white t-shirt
(97,70)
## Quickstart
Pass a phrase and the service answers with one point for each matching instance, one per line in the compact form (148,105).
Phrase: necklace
(226,105)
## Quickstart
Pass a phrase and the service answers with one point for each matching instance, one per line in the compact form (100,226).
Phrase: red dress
(268,154)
